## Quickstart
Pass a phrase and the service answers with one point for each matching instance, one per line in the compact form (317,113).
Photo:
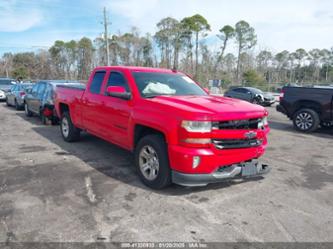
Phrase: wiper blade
(157,95)
(151,96)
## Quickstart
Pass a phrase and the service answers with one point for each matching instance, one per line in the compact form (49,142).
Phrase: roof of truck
(139,69)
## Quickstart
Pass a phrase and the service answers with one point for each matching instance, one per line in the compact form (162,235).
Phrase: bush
(252,78)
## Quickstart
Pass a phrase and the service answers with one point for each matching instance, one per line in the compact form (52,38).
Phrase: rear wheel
(17,106)
(152,162)
(306,120)
(54,120)
(69,132)
(44,119)
(27,112)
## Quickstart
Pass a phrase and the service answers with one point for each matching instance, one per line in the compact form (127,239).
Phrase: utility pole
(106,24)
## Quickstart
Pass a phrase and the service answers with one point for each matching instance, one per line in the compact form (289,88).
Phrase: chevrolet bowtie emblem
(250,134)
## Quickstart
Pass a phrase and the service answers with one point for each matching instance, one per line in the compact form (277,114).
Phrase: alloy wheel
(65,127)
(304,121)
(26,109)
(149,163)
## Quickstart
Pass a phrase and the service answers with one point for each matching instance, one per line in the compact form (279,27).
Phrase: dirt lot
(88,191)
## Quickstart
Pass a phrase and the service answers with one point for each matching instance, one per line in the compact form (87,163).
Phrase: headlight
(197,126)
(261,96)
(263,122)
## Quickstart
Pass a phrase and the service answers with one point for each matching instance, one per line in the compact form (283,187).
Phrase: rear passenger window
(35,88)
(96,83)
(41,89)
(49,92)
(240,90)
(117,79)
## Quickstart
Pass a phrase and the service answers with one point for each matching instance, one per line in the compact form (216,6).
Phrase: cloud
(14,18)
(282,24)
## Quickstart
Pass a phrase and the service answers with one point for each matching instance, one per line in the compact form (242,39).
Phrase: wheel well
(63,108)
(141,131)
(308,104)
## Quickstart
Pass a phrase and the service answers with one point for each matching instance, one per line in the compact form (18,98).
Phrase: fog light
(196,162)
(198,140)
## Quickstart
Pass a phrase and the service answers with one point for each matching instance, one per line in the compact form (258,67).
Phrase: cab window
(96,83)
(117,79)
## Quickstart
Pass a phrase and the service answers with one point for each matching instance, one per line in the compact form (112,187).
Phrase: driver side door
(115,116)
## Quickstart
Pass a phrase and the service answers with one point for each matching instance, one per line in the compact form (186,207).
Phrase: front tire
(256,101)
(306,120)
(69,132)
(27,112)
(152,162)
(54,121)
(17,106)
(44,119)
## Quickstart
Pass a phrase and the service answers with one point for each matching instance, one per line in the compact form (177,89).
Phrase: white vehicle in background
(5,85)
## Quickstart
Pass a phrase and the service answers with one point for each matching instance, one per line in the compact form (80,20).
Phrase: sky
(27,25)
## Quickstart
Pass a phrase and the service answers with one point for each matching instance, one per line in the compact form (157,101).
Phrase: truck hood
(212,107)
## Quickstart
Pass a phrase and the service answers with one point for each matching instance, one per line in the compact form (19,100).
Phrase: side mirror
(118,92)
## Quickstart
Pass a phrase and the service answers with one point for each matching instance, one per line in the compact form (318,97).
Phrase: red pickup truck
(177,131)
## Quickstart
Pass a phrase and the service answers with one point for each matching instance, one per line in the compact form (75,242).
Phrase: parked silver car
(251,94)
(5,85)
(15,96)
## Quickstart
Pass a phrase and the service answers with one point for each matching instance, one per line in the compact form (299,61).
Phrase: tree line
(180,45)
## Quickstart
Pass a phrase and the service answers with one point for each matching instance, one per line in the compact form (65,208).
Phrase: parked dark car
(15,96)
(40,100)
(5,85)
(251,94)
(308,107)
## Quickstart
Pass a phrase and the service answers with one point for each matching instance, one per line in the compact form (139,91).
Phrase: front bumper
(211,159)
(281,109)
(236,171)
(268,102)
(2,96)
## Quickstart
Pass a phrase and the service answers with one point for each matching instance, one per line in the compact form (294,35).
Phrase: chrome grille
(245,124)
(236,143)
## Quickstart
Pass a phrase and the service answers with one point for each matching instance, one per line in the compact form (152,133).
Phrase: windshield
(255,90)
(26,86)
(157,84)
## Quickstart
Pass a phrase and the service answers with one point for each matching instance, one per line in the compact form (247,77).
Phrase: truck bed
(319,98)
(78,86)
(70,95)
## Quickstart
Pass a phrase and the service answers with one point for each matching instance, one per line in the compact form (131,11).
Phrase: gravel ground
(87,191)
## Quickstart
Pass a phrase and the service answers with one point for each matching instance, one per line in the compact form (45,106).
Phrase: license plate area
(249,169)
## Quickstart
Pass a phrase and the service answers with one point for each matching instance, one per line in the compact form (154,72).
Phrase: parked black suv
(308,107)
(40,100)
